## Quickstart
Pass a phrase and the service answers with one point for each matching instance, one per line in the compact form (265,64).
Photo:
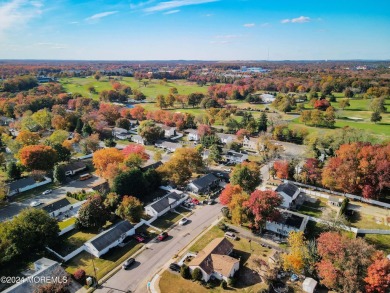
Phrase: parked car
(35,203)
(174,267)
(183,221)
(143,235)
(139,238)
(162,236)
(128,263)
(211,201)
(230,235)
(47,191)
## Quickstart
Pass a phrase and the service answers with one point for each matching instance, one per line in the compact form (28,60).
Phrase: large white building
(288,221)
(289,192)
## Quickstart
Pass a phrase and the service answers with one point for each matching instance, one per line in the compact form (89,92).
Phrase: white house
(58,207)
(214,260)
(44,269)
(235,157)
(138,139)
(289,192)
(288,221)
(165,204)
(204,184)
(121,133)
(267,98)
(250,143)
(74,167)
(169,131)
(167,145)
(192,135)
(111,238)
(309,285)
(24,184)
(226,138)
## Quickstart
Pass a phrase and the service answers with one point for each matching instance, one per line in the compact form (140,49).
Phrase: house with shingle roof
(165,204)
(226,138)
(204,184)
(111,238)
(215,260)
(289,192)
(57,207)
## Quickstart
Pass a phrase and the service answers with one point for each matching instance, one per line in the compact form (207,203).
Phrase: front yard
(167,220)
(106,263)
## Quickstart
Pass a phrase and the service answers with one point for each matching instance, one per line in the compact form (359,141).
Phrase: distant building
(289,192)
(192,135)
(236,157)
(121,133)
(288,221)
(215,260)
(111,238)
(57,207)
(267,98)
(165,204)
(250,143)
(169,146)
(44,79)
(309,285)
(204,184)
(74,167)
(169,131)
(226,138)
(138,139)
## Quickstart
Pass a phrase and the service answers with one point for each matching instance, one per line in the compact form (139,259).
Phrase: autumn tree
(237,208)
(311,171)
(378,275)
(92,214)
(242,133)
(90,144)
(227,193)
(281,168)
(130,182)
(247,175)
(104,157)
(343,261)
(58,137)
(295,259)
(38,157)
(130,209)
(344,103)
(181,165)
(378,105)
(26,137)
(135,149)
(263,206)
(203,130)
(112,201)
(375,117)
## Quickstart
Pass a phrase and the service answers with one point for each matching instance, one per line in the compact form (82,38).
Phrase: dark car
(128,263)
(174,267)
(162,236)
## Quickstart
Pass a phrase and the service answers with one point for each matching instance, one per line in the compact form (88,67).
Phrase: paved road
(159,253)
(14,208)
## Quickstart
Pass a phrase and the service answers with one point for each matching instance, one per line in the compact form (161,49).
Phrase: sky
(195,29)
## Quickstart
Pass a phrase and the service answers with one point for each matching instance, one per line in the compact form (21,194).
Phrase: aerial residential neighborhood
(194,146)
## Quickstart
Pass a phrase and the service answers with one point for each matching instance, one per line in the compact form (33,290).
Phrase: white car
(183,221)
(47,191)
(35,203)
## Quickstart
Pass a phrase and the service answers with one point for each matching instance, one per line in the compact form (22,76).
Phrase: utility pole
(94,270)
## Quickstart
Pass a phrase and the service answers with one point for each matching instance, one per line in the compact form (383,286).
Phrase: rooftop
(166,201)
(56,205)
(103,240)
(288,188)
(205,180)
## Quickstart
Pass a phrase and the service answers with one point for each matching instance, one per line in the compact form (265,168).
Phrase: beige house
(250,143)
(214,260)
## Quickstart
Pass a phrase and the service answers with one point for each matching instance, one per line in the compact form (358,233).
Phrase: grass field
(167,220)
(105,263)
(381,242)
(66,223)
(312,209)
(154,87)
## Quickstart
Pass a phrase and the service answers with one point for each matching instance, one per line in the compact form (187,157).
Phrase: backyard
(72,240)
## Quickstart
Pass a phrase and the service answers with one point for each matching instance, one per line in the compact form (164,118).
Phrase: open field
(105,263)
(151,90)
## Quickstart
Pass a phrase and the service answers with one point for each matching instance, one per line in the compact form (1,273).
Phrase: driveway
(15,208)
(157,254)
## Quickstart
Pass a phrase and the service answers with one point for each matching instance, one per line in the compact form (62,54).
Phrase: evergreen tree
(87,129)
(263,122)
(59,174)
(13,171)
(79,126)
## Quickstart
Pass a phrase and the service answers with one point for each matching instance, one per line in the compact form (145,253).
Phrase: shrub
(344,206)
(196,274)
(223,284)
(185,272)
(80,276)
(231,281)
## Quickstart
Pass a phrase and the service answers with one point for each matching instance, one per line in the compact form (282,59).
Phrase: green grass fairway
(154,88)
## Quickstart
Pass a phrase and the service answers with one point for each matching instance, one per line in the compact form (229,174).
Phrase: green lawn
(167,220)
(364,221)
(381,242)
(206,239)
(33,192)
(105,263)
(66,223)
(72,240)
(154,87)
(312,209)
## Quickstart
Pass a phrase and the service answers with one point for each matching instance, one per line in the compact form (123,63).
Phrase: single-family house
(165,204)
(204,184)
(192,134)
(226,138)
(335,201)
(169,131)
(20,185)
(121,133)
(236,157)
(289,192)
(111,238)
(43,270)
(5,121)
(138,139)
(74,167)
(134,123)
(168,146)
(58,207)
(215,260)
(250,143)
(287,222)
(267,98)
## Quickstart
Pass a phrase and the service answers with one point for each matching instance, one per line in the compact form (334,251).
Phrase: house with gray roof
(165,204)
(289,192)
(226,138)
(138,139)
(236,157)
(109,239)
(204,184)
(167,145)
(287,222)
(74,167)
(57,207)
